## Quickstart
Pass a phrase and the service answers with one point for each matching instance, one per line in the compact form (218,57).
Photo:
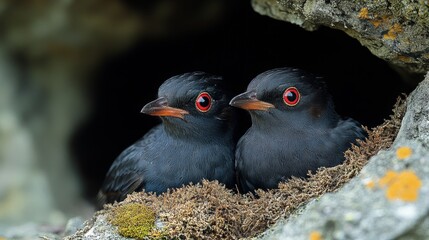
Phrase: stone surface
(97,228)
(34,230)
(30,231)
(363,208)
(394,30)
(73,225)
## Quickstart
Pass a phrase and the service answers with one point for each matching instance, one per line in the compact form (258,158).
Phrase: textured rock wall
(394,30)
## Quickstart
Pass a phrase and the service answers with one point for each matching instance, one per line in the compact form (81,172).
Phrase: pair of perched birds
(295,128)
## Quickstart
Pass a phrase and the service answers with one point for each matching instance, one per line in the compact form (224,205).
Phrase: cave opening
(238,46)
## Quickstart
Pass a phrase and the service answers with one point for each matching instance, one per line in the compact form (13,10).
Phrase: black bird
(295,128)
(193,142)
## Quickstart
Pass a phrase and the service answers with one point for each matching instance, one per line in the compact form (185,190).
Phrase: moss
(133,220)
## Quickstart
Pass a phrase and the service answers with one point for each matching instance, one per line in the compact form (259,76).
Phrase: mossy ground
(134,220)
(209,211)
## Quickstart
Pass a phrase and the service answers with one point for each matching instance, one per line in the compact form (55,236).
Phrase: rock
(30,231)
(395,31)
(36,230)
(387,200)
(97,228)
(73,225)
(24,188)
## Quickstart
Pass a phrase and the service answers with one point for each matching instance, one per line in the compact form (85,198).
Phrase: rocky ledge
(394,30)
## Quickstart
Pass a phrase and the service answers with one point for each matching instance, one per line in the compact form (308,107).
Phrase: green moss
(133,220)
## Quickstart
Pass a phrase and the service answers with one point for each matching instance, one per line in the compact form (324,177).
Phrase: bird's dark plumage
(193,142)
(295,128)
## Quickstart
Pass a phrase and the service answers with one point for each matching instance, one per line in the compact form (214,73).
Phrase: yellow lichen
(393,32)
(403,152)
(404,185)
(363,13)
(315,235)
(133,220)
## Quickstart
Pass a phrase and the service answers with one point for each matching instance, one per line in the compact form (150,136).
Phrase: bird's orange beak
(160,108)
(248,101)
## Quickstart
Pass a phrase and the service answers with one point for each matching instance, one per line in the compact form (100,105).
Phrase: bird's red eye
(291,96)
(203,102)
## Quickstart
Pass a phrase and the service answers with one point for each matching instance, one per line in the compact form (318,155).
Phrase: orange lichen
(363,13)
(403,152)
(315,235)
(388,178)
(379,20)
(403,58)
(376,22)
(404,185)
(392,34)
(370,184)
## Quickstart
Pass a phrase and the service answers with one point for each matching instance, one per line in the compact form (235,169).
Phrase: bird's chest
(283,147)
(189,161)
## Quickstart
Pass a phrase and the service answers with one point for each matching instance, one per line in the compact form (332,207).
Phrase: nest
(210,211)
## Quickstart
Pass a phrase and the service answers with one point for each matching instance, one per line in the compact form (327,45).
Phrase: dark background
(239,46)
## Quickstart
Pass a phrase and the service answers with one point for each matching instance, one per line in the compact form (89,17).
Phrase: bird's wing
(119,188)
(347,132)
(354,128)
(243,185)
(126,174)
(121,179)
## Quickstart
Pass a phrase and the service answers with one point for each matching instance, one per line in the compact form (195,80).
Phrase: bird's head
(286,95)
(192,103)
